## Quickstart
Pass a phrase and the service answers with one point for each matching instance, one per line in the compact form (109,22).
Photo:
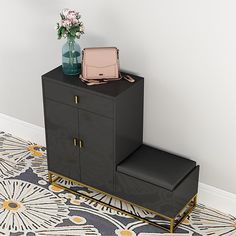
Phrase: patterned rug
(30,206)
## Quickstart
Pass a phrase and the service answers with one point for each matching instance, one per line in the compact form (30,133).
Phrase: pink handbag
(101,65)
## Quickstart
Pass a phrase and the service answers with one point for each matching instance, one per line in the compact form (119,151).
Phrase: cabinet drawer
(86,101)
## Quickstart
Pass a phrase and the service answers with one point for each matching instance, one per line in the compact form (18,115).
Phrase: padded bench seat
(157,180)
(157,167)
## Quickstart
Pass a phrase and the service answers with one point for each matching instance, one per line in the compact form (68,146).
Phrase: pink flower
(74,21)
(66,23)
(65,12)
(71,15)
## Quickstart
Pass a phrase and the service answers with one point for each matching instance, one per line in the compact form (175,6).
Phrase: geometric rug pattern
(30,206)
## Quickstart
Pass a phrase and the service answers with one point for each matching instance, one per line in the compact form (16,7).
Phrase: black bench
(159,181)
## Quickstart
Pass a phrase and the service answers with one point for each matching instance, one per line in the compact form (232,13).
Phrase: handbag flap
(100,57)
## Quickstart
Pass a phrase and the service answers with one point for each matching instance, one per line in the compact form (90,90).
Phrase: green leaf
(74,30)
(62,16)
(61,32)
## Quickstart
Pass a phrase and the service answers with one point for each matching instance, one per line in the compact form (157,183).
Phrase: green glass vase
(71,57)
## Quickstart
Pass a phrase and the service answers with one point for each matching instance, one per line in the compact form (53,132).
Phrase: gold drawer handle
(76,99)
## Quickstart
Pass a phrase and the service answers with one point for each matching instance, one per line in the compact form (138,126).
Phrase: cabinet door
(61,123)
(96,156)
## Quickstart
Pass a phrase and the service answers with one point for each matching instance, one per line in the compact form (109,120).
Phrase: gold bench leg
(50,177)
(172,225)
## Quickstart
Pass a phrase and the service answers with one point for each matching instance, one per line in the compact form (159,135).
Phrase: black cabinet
(91,129)
(94,136)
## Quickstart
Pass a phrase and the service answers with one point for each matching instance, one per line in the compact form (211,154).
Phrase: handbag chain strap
(91,82)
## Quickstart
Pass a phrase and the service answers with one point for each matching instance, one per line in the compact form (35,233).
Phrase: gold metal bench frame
(173,222)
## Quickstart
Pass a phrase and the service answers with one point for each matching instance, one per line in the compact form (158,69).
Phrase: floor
(30,206)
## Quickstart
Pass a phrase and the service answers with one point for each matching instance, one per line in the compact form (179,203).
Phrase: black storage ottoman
(158,181)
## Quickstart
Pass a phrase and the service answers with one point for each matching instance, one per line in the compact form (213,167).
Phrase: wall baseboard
(217,198)
(208,195)
(22,129)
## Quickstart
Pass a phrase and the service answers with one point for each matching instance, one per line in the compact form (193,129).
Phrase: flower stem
(70,52)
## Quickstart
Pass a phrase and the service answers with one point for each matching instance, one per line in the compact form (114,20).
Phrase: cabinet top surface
(111,89)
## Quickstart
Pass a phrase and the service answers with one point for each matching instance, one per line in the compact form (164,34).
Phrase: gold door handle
(75,142)
(76,99)
(81,143)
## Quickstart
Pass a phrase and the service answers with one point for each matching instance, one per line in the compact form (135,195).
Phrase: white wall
(185,49)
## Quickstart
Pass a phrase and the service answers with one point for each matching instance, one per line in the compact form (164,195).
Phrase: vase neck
(71,39)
